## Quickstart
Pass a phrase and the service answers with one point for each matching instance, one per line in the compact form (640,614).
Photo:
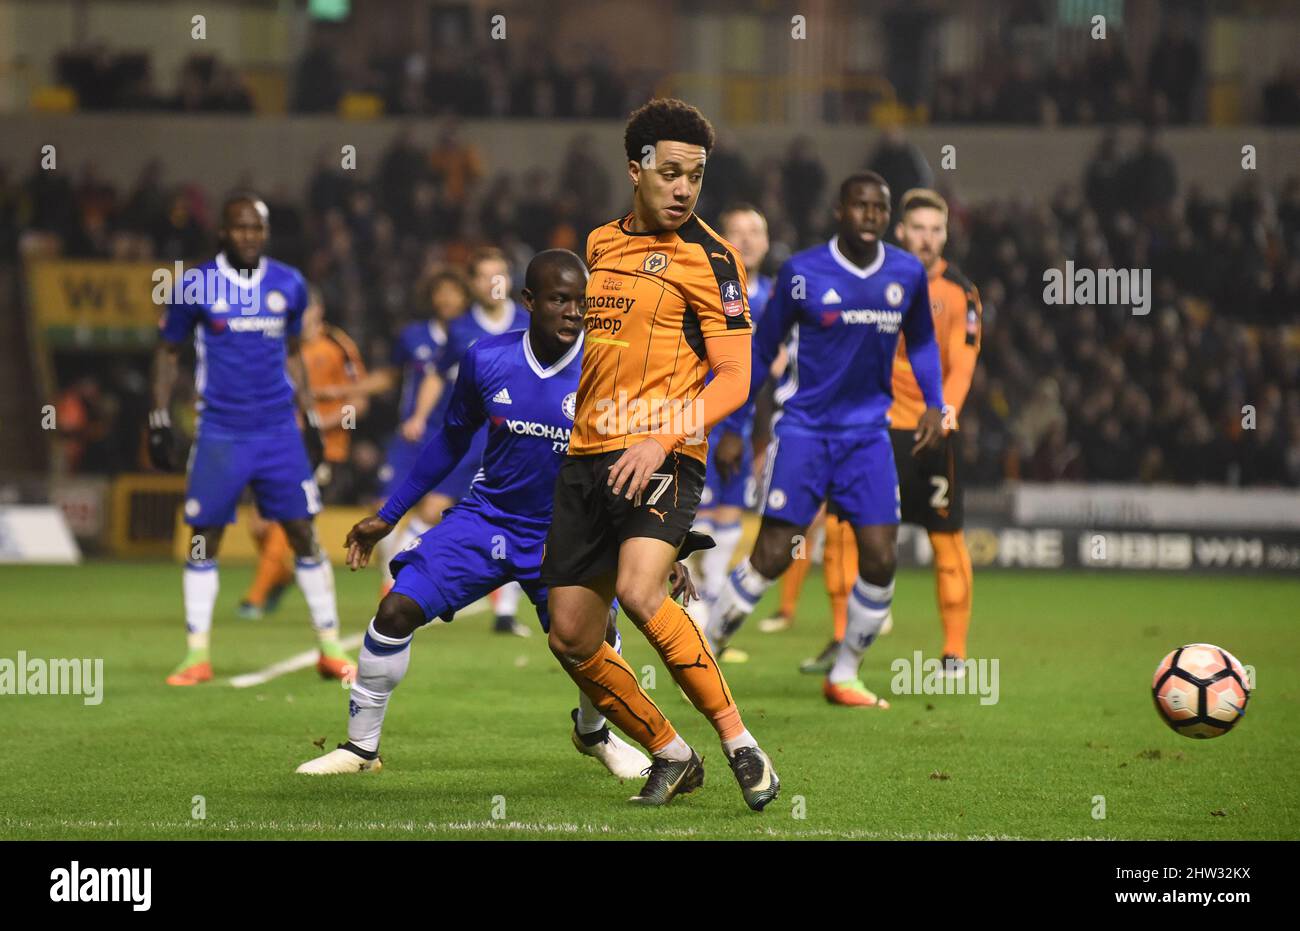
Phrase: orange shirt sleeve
(963,349)
(729,360)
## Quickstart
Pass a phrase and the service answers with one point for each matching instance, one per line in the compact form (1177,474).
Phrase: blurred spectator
(1174,71)
(317,87)
(803,179)
(1282,98)
(900,163)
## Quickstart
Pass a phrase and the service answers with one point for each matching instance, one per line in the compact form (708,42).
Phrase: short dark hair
(550,258)
(244,197)
(665,118)
(861,177)
(433,282)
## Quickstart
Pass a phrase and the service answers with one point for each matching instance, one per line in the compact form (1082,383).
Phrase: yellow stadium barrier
(357,106)
(142,514)
(54,99)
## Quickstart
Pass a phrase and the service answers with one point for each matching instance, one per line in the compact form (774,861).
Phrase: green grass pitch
(477,737)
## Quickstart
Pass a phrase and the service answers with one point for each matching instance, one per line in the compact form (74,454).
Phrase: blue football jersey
(528,409)
(841,324)
(475,324)
(239,324)
(421,348)
(760,292)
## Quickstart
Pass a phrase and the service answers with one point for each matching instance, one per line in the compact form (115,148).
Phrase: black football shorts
(929,485)
(589,523)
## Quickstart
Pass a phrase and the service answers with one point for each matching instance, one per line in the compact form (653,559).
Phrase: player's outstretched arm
(162,441)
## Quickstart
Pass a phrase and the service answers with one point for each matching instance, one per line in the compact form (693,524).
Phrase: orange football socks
(686,654)
(792,584)
(607,679)
(841,569)
(953,579)
(272,565)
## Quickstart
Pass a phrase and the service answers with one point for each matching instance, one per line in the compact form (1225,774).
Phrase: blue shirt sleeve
(297,303)
(178,322)
(922,347)
(401,351)
(446,448)
(778,316)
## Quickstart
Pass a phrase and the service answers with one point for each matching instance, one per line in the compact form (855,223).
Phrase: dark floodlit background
(1172,144)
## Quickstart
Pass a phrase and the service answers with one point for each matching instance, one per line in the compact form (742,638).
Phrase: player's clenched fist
(362,539)
(634,468)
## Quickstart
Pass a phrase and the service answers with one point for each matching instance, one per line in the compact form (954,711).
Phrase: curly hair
(665,118)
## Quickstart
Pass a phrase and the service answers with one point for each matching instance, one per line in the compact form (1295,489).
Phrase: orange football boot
(336,667)
(853,694)
(190,672)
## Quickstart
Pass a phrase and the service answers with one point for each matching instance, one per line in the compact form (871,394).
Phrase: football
(1200,690)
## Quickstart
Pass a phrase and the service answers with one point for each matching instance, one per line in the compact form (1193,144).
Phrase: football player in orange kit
(666,306)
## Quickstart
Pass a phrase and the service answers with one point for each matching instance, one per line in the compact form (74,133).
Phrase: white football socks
(739,742)
(315,576)
(868,608)
(507,603)
(714,562)
(199,584)
(677,750)
(382,663)
(735,603)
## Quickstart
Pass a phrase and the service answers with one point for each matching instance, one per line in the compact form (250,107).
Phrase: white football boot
(620,757)
(340,760)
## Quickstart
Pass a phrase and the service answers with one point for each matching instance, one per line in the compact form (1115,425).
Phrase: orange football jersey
(652,300)
(332,359)
(955,305)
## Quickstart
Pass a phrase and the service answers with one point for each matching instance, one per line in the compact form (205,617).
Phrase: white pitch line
(292,664)
(308,657)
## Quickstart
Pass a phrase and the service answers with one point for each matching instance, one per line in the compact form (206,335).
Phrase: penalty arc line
(308,657)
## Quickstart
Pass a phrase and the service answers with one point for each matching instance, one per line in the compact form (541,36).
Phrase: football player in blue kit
(842,306)
(422,362)
(244,312)
(492,313)
(725,497)
(521,385)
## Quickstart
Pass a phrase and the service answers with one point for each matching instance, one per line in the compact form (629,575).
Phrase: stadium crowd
(459,78)
(1204,388)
